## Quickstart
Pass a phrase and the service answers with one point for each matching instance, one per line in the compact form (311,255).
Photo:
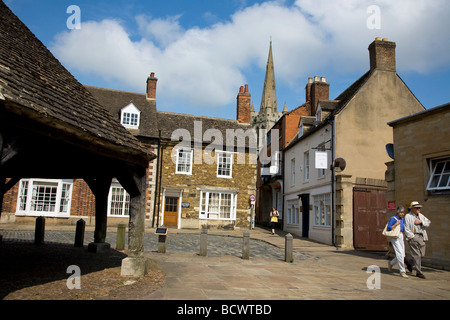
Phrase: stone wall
(204,176)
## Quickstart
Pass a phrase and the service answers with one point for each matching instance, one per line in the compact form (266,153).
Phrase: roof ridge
(199,116)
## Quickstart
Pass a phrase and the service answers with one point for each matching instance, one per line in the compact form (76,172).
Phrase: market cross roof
(34,85)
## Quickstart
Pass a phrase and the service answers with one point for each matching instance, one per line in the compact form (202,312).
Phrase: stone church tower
(268,114)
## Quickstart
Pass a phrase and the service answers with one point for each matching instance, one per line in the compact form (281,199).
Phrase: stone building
(420,172)
(207,172)
(334,190)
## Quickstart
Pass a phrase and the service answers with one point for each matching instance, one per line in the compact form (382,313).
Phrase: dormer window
(319,114)
(300,130)
(130,116)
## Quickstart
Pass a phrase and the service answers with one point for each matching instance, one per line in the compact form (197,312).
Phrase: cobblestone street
(318,272)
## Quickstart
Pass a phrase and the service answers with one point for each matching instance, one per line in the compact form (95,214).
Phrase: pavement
(318,272)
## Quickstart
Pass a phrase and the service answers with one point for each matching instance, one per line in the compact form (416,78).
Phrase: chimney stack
(316,90)
(382,55)
(151,87)
(243,105)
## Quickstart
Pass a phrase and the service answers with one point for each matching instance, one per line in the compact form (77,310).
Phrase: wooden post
(135,265)
(100,188)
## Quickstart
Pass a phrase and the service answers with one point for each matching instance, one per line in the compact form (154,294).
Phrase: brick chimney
(319,90)
(243,105)
(151,86)
(382,55)
(308,90)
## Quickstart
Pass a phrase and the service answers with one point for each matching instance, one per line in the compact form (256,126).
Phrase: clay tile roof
(34,84)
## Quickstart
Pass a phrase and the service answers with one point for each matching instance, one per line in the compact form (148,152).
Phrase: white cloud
(206,66)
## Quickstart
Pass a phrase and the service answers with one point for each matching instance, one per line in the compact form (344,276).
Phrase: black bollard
(79,233)
(39,231)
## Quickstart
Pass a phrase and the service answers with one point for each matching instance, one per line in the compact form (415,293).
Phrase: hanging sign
(321,160)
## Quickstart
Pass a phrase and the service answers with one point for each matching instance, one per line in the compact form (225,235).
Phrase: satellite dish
(339,164)
(390,150)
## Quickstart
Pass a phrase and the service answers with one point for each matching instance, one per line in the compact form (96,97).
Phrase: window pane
(44,197)
(65,197)
(120,202)
(444,180)
(224,164)
(23,196)
(184,161)
(440,175)
(225,211)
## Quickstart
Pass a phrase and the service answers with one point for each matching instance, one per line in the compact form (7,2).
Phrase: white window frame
(293,214)
(300,130)
(220,168)
(184,150)
(118,207)
(306,160)
(210,211)
(127,114)
(319,114)
(322,209)
(439,176)
(31,194)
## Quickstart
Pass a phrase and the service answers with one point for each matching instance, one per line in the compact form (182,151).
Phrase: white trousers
(399,249)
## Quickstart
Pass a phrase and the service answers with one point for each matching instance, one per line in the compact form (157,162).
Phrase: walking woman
(274,214)
(397,243)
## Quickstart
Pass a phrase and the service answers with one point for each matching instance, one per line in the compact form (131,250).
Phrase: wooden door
(369,219)
(171,212)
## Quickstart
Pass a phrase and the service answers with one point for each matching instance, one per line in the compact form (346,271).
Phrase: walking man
(416,235)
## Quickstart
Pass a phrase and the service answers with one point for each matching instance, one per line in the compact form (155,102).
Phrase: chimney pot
(246,88)
(241,89)
(309,80)
(320,90)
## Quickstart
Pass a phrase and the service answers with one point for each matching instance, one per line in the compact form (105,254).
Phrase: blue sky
(202,51)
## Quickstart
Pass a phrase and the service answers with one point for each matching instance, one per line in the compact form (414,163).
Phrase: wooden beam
(136,229)
(100,188)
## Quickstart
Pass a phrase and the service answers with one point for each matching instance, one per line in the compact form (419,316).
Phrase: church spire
(269,96)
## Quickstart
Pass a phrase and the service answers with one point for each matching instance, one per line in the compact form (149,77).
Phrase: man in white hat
(416,235)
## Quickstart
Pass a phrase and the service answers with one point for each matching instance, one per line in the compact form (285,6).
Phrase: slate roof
(153,120)
(34,84)
(168,122)
(115,100)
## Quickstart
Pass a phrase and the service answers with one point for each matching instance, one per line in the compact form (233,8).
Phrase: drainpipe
(157,178)
(333,177)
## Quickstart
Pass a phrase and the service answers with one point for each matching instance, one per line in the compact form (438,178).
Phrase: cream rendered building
(346,206)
